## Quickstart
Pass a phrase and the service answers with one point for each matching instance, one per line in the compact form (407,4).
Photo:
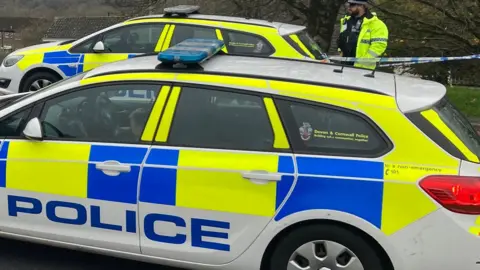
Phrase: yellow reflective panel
(48,167)
(166,122)
(301,90)
(168,38)
(213,181)
(411,145)
(433,117)
(282,48)
(281,141)
(30,60)
(162,38)
(154,118)
(93,60)
(129,76)
(302,46)
(220,37)
(230,25)
(403,204)
(224,80)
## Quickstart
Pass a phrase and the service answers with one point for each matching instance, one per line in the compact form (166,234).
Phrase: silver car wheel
(39,84)
(324,255)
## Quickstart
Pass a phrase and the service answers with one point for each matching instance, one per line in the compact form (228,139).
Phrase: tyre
(324,247)
(38,81)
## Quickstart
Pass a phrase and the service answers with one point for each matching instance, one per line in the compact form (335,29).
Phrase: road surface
(15,255)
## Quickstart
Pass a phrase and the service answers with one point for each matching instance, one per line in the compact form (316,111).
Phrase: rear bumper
(440,241)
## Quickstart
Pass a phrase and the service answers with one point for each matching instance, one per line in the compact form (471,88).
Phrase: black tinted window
(84,47)
(243,43)
(13,125)
(140,38)
(183,32)
(217,119)
(105,113)
(316,129)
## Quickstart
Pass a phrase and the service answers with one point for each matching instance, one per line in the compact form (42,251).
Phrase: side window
(322,130)
(84,47)
(100,114)
(217,119)
(243,43)
(140,38)
(13,125)
(183,32)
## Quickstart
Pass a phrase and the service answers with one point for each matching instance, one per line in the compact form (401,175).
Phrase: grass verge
(466,99)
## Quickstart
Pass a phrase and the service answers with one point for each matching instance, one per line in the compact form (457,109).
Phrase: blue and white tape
(399,61)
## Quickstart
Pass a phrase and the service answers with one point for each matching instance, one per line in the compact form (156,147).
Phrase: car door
(122,43)
(79,184)
(338,153)
(219,170)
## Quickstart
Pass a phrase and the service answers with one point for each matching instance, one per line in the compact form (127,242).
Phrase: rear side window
(326,130)
(443,118)
(183,32)
(208,118)
(306,45)
(243,43)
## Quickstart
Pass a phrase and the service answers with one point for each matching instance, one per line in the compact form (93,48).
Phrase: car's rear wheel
(38,81)
(324,247)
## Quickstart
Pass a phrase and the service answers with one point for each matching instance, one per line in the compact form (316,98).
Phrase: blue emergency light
(191,51)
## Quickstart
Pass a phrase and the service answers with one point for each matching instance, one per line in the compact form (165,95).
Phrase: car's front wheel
(324,247)
(38,81)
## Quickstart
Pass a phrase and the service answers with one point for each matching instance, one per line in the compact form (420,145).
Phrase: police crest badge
(306,131)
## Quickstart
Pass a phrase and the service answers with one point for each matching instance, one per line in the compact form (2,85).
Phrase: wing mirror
(99,47)
(33,130)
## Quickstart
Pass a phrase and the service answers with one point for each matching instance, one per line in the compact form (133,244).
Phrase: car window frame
(27,117)
(261,95)
(226,39)
(100,36)
(177,24)
(298,146)
(40,107)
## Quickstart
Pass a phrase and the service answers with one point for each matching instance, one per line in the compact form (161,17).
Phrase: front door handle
(113,168)
(262,176)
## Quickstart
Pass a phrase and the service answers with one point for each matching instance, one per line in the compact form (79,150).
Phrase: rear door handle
(262,176)
(113,168)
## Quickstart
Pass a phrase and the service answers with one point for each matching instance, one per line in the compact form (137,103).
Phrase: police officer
(362,34)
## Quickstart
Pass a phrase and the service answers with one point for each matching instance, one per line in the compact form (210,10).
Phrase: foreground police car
(35,67)
(239,163)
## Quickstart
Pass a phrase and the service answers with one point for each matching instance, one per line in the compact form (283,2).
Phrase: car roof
(303,71)
(283,28)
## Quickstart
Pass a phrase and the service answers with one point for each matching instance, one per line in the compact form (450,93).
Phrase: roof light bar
(181,9)
(191,51)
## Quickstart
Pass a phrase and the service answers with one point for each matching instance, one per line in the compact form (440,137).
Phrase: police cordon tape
(400,61)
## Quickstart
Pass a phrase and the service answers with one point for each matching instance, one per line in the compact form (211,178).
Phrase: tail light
(458,194)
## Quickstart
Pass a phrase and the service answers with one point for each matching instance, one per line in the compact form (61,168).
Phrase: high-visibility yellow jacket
(372,40)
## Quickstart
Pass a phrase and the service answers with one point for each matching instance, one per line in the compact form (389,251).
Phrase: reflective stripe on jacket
(372,40)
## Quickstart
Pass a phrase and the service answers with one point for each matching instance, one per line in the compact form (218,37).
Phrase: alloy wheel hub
(323,255)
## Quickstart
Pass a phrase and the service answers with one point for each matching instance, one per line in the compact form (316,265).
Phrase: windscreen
(5,101)
(306,45)
(459,124)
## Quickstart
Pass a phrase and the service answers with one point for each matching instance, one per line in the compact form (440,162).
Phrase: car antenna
(372,75)
(339,70)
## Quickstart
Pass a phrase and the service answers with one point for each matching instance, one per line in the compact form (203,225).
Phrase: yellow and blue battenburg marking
(72,64)
(325,183)
(212,181)
(67,169)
